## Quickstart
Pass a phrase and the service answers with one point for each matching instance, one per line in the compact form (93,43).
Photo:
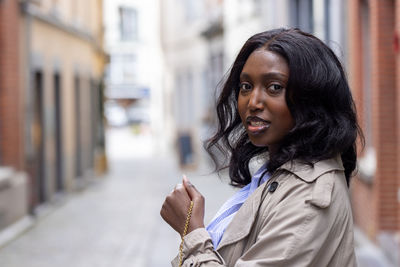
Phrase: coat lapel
(241,224)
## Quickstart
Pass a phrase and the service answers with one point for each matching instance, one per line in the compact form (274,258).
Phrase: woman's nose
(256,100)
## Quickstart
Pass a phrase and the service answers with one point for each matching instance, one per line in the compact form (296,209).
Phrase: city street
(115,222)
(103,101)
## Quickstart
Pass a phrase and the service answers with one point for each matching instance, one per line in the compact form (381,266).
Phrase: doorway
(59,185)
(78,135)
(38,138)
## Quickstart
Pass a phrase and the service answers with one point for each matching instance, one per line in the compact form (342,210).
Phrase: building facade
(201,40)
(186,77)
(51,103)
(13,179)
(62,64)
(374,72)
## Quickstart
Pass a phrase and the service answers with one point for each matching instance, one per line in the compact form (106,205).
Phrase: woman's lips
(257,125)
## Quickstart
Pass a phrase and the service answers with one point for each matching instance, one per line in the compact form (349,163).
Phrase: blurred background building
(374,72)
(13,180)
(134,74)
(201,40)
(186,74)
(52,63)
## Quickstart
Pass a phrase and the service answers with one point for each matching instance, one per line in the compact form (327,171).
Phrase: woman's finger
(194,194)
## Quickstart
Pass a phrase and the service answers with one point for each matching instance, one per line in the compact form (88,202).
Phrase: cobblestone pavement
(115,222)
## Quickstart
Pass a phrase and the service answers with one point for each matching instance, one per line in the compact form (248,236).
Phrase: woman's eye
(244,86)
(275,88)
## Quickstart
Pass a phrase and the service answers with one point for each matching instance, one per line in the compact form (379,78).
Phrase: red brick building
(10,96)
(374,73)
(13,182)
(51,121)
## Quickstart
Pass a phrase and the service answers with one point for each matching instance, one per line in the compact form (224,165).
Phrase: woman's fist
(176,205)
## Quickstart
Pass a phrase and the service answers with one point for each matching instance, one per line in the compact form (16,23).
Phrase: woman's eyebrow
(269,75)
(275,75)
(244,75)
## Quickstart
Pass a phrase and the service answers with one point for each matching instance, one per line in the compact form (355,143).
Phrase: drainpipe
(28,104)
(28,90)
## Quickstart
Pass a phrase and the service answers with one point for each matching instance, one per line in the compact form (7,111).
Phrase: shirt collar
(262,174)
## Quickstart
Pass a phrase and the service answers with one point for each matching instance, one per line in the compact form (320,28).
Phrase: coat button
(272,187)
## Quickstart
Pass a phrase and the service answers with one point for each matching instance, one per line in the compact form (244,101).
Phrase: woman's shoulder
(317,184)
(310,172)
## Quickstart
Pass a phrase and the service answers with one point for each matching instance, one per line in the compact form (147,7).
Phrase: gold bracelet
(189,215)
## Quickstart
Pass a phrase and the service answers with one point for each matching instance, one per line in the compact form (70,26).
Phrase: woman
(287,100)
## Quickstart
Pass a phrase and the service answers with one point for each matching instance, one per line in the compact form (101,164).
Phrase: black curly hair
(318,97)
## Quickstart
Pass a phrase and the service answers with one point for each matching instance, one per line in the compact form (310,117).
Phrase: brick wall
(361,191)
(385,128)
(10,104)
(375,204)
(397,57)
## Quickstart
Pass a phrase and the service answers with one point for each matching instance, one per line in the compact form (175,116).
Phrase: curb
(15,230)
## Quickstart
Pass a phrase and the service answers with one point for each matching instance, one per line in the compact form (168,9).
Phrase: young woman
(287,100)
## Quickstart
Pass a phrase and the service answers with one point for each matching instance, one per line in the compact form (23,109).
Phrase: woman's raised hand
(176,205)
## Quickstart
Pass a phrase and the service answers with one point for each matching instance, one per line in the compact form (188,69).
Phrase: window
(190,11)
(129,67)
(193,9)
(217,67)
(301,15)
(185,111)
(128,23)
(124,68)
(367,74)
(327,22)
(367,163)
(245,10)
(257,7)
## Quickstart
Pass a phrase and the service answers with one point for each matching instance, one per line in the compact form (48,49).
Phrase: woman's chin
(257,143)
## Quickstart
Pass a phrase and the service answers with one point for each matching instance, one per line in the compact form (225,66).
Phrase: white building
(186,74)
(134,74)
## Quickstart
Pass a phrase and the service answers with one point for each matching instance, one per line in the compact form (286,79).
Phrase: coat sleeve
(198,250)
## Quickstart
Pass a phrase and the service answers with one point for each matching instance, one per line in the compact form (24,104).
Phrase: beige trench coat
(305,221)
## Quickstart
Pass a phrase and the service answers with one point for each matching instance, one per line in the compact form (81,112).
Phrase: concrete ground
(115,222)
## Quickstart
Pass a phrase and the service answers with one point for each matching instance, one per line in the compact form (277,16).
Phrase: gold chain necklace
(189,215)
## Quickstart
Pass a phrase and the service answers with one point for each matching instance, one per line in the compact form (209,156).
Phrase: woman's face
(261,102)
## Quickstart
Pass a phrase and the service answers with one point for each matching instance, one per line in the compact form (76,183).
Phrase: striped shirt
(224,216)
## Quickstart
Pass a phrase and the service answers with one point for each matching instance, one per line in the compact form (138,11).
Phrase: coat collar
(310,173)
(244,219)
